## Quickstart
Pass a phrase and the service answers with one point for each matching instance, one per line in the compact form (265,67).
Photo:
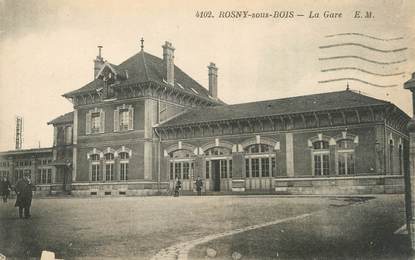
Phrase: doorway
(216,175)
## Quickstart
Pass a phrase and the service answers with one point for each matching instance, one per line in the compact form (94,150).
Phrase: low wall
(141,188)
(42,190)
(347,185)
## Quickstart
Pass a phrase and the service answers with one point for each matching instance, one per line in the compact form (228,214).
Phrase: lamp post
(410,191)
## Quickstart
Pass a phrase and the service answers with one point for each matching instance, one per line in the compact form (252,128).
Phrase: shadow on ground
(352,228)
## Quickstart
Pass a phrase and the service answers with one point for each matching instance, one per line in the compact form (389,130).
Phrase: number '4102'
(204,14)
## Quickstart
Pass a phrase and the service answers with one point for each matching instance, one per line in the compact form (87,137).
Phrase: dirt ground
(139,227)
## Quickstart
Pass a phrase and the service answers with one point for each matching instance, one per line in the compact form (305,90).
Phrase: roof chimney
(213,80)
(168,59)
(98,62)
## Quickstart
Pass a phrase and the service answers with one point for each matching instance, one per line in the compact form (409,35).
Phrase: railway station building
(140,124)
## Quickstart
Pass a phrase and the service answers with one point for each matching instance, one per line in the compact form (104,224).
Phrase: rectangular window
(400,159)
(109,171)
(43,176)
(342,164)
(177,170)
(95,122)
(265,167)
(192,169)
(124,171)
(95,172)
(207,169)
(230,169)
(68,135)
(274,166)
(247,168)
(255,167)
(350,163)
(326,163)
(321,164)
(49,180)
(39,176)
(185,170)
(171,171)
(317,165)
(223,169)
(124,119)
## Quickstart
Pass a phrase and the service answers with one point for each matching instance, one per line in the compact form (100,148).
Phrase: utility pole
(410,179)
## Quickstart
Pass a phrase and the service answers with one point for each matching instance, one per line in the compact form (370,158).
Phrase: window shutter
(102,118)
(88,123)
(130,118)
(116,120)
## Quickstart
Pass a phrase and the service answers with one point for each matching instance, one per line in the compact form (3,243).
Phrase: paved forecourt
(128,227)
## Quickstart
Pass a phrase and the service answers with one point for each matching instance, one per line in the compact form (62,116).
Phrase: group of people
(23,189)
(178,186)
(5,189)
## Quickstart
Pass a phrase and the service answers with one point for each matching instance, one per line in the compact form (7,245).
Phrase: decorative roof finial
(347,87)
(142,43)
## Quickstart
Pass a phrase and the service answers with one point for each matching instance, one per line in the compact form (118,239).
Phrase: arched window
(180,154)
(109,166)
(214,151)
(260,161)
(321,158)
(181,164)
(124,160)
(345,159)
(94,167)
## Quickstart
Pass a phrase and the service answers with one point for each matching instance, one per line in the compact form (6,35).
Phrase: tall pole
(410,189)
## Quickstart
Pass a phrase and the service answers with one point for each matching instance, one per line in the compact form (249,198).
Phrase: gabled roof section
(111,66)
(143,67)
(293,105)
(63,119)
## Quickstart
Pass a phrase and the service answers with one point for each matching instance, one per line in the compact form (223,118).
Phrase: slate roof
(292,105)
(27,151)
(66,118)
(143,67)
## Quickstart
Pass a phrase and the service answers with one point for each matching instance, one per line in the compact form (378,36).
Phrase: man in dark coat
(24,196)
(177,188)
(5,188)
(199,185)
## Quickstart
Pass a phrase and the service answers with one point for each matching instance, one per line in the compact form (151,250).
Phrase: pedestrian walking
(199,185)
(24,196)
(5,189)
(177,187)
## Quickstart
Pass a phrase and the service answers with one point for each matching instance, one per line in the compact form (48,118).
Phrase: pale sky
(47,49)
